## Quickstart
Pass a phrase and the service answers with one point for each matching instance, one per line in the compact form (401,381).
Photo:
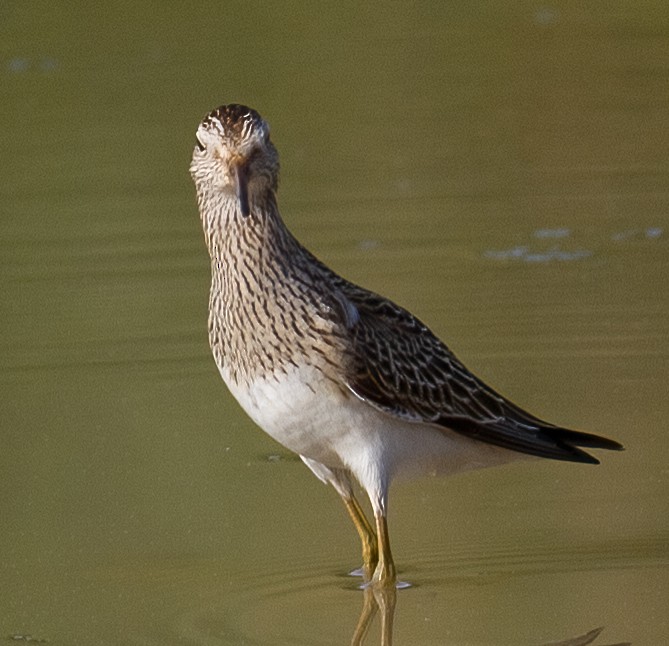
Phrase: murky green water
(500,171)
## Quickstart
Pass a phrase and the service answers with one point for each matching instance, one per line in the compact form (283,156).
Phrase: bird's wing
(400,367)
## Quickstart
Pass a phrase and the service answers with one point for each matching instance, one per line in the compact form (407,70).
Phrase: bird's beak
(242,188)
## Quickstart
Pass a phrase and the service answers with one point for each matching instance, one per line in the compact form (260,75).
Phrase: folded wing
(399,366)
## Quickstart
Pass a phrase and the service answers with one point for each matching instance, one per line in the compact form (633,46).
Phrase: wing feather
(400,367)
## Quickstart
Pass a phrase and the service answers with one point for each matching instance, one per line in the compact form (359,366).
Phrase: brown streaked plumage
(353,383)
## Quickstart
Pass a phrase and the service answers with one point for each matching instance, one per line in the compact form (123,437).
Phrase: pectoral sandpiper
(354,384)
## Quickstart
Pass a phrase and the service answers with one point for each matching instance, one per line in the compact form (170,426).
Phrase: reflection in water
(376,599)
(384,601)
(584,640)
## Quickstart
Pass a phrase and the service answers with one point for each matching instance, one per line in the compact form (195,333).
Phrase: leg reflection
(381,600)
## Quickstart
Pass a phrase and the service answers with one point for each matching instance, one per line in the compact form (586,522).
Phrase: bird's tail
(574,441)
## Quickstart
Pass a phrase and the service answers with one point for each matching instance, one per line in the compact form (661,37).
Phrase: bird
(357,386)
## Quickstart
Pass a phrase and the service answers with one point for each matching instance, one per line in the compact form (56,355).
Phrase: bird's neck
(228,232)
(259,294)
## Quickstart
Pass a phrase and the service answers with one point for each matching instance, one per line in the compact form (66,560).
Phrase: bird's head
(233,155)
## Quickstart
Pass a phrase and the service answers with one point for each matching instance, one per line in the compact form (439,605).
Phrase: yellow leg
(384,575)
(370,554)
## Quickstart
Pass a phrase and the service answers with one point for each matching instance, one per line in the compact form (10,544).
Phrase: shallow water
(500,172)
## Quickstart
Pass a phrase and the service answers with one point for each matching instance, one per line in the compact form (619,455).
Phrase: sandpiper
(353,383)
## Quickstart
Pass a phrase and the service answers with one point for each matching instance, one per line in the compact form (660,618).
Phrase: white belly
(317,419)
(290,411)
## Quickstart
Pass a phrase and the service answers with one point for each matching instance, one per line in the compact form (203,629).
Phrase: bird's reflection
(584,640)
(383,601)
